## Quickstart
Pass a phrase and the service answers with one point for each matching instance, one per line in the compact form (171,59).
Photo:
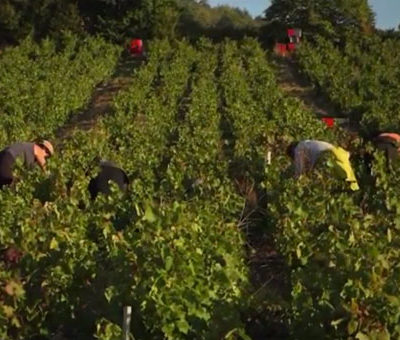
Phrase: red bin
(280,49)
(329,121)
(291,32)
(136,47)
(291,46)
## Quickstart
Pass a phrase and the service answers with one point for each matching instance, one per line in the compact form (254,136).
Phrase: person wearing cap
(109,171)
(388,142)
(29,153)
(306,153)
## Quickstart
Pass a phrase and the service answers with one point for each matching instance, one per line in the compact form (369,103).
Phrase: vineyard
(212,239)
(361,78)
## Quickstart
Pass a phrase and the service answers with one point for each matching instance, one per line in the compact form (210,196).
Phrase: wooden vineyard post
(269,157)
(126,322)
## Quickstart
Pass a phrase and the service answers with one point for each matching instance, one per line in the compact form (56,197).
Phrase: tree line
(119,19)
(329,18)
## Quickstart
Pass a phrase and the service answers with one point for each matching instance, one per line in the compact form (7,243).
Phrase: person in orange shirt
(388,142)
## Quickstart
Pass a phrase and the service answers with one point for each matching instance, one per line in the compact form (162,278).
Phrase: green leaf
(237,331)
(8,311)
(335,323)
(352,327)
(394,300)
(110,292)
(362,336)
(149,214)
(53,244)
(383,335)
(389,235)
(168,262)
(183,326)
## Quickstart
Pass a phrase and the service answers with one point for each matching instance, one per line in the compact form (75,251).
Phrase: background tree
(325,17)
(113,19)
(19,18)
(199,19)
(119,19)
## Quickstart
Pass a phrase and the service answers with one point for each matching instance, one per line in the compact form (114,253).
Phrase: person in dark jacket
(29,153)
(108,172)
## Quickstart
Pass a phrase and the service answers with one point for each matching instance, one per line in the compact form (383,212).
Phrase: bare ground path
(295,84)
(269,272)
(100,104)
(101,100)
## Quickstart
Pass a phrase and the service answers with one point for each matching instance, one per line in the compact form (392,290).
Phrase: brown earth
(101,100)
(296,84)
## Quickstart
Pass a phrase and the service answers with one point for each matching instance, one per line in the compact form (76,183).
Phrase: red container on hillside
(136,47)
(291,32)
(329,121)
(294,35)
(291,46)
(280,49)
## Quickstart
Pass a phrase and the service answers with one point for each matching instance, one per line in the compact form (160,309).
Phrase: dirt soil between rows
(101,101)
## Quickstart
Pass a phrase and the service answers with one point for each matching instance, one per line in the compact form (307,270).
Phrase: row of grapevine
(144,138)
(361,78)
(177,262)
(204,269)
(196,164)
(41,85)
(341,247)
(193,122)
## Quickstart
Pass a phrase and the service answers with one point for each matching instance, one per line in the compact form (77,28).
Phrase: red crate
(329,121)
(291,32)
(280,49)
(136,46)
